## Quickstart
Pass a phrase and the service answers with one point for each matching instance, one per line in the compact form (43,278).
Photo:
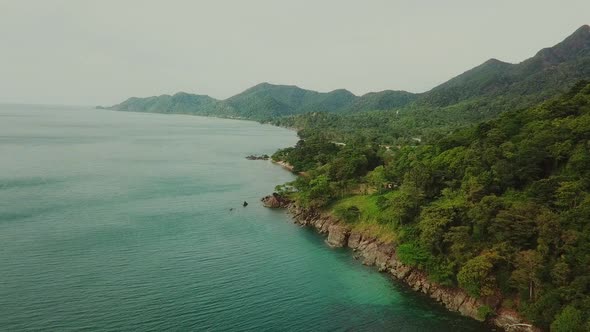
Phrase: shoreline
(283,164)
(373,252)
(235,118)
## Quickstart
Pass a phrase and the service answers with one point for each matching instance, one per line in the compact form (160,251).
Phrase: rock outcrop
(337,235)
(274,201)
(373,252)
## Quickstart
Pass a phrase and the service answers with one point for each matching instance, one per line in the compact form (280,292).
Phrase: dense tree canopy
(502,207)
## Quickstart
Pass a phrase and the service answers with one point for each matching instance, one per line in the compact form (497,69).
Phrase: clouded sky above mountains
(101,52)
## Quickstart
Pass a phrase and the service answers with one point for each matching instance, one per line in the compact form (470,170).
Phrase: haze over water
(119,221)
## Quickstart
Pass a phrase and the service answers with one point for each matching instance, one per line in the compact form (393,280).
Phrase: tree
(517,225)
(434,222)
(568,320)
(476,275)
(570,194)
(377,178)
(482,215)
(314,192)
(406,203)
(437,219)
(525,275)
(459,240)
(560,273)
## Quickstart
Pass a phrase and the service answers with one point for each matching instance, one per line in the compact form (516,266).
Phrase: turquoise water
(119,221)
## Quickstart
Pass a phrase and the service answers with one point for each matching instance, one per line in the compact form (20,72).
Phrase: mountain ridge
(490,88)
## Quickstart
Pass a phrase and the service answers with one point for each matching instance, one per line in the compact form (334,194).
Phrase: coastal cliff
(373,252)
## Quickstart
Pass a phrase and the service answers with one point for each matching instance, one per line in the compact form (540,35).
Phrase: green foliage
(525,275)
(477,277)
(378,178)
(349,214)
(406,202)
(569,319)
(413,254)
(315,192)
(484,312)
(308,154)
(503,206)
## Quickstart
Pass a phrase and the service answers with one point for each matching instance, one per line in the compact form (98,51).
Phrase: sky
(82,52)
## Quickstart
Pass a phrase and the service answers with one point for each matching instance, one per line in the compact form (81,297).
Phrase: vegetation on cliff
(502,207)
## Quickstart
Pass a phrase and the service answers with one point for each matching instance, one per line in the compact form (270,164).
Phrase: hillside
(379,101)
(479,94)
(551,71)
(278,100)
(179,103)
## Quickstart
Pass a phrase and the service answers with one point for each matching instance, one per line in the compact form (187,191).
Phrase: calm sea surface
(117,221)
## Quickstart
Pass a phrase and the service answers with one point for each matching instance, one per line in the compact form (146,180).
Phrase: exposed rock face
(372,252)
(510,321)
(354,239)
(337,235)
(274,201)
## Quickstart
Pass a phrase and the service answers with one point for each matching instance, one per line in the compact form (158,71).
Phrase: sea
(118,221)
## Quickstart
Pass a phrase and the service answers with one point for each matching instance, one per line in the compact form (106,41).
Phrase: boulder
(354,239)
(337,235)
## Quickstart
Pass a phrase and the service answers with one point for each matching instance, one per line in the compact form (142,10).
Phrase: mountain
(477,94)
(182,102)
(278,100)
(266,101)
(383,100)
(550,72)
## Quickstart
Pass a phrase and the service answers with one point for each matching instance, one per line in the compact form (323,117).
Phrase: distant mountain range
(266,101)
(485,90)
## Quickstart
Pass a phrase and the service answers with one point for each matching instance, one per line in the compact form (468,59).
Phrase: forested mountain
(478,94)
(551,71)
(278,100)
(383,100)
(180,103)
(266,101)
(500,209)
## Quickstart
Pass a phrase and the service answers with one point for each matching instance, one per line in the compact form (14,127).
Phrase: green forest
(501,207)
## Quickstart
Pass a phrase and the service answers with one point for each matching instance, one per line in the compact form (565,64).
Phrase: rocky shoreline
(373,252)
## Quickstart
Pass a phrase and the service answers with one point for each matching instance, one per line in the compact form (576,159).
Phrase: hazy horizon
(72,53)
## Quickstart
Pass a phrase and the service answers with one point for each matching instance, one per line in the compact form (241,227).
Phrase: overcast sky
(101,52)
